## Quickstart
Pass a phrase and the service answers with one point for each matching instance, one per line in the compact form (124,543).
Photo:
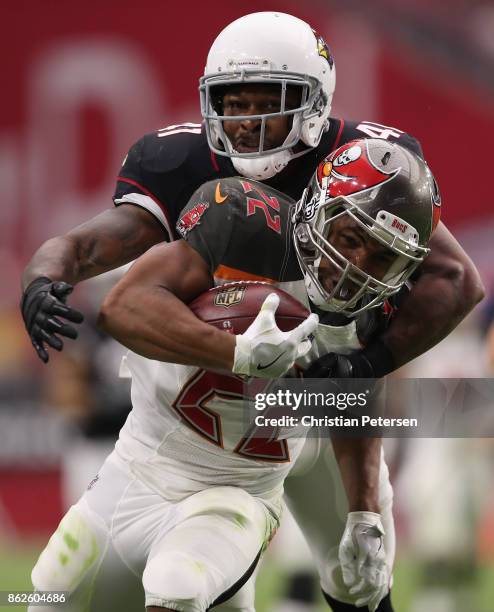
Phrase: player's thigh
(215,542)
(317,500)
(80,557)
(80,560)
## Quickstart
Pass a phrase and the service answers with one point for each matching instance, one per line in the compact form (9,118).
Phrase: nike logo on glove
(267,365)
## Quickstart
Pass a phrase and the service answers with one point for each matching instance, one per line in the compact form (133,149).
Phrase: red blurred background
(81,84)
(83,81)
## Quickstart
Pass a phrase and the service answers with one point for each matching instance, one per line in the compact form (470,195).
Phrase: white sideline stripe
(149,204)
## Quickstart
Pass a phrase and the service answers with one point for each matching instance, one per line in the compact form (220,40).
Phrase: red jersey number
(192,405)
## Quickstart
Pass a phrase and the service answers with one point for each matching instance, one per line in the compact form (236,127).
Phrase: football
(234,306)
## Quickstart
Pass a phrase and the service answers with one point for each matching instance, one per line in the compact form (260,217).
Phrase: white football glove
(363,559)
(264,351)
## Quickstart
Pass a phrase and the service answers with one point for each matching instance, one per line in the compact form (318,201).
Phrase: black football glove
(42,302)
(375,361)
(331,365)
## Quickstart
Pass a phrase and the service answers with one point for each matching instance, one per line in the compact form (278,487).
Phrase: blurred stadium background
(82,81)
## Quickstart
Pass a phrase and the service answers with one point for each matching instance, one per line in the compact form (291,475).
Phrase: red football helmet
(363,224)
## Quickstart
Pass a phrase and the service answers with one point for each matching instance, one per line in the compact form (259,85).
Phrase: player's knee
(176,580)
(69,555)
(223,501)
(331,578)
(334,588)
(330,575)
(235,506)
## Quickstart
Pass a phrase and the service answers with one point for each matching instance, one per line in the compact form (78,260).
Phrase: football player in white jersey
(186,499)
(238,132)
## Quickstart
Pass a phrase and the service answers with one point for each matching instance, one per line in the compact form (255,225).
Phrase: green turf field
(477,595)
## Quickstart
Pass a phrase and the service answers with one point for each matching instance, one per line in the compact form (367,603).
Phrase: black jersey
(164,168)
(243,230)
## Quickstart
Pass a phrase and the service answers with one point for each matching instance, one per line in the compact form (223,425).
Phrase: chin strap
(265,167)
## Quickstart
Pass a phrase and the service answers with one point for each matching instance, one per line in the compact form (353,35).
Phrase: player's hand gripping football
(264,351)
(42,303)
(363,559)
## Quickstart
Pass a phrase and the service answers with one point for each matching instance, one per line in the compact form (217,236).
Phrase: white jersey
(187,430)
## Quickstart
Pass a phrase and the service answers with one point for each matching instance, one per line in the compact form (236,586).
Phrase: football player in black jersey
(162,170)
(346,248)
(251,130)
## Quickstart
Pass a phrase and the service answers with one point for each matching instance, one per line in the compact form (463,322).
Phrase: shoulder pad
(168,149)
(360,129)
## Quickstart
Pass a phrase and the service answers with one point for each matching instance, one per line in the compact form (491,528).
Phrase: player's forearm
(70,259)
(57,259)
(445,293)
(109,240)
(157,325)
(359,461)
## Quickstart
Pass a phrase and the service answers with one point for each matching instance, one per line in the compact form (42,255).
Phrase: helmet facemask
(311,105)
(333,282)
(269,48)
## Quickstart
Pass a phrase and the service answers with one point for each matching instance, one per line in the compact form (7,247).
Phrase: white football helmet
(269,48)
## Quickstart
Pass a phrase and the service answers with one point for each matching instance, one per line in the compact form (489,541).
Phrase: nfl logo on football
(228,297)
